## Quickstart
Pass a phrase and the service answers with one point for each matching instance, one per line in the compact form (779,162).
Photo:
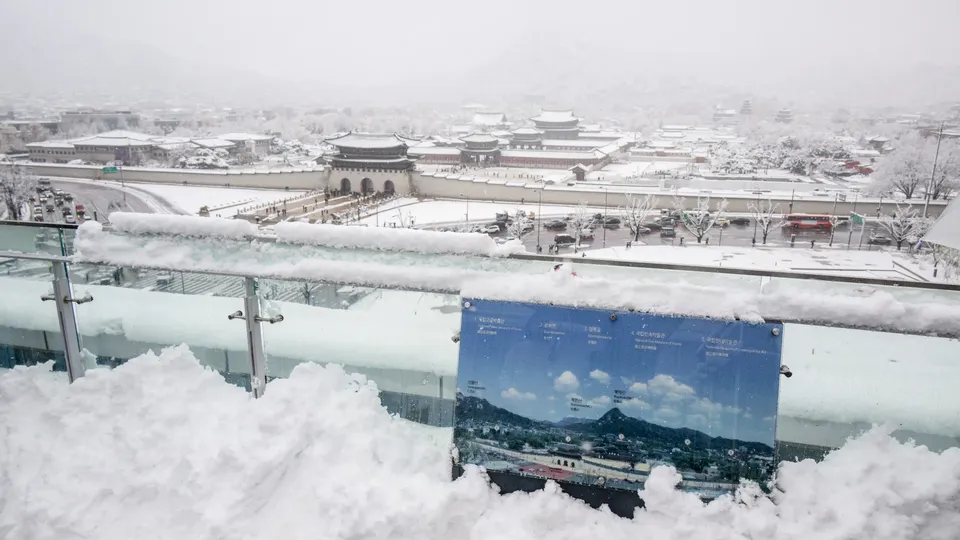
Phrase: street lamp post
(755,220)
(466,216)
(604,221)
(933,173)
(539,215)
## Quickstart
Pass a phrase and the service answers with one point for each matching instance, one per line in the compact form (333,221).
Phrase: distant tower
(747,108)
(785,115)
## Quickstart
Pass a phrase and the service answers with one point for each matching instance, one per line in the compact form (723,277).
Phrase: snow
(946,230)
(136,223)
(160,448)
(417,330)
(191,198)
(393,239)
(452,212)
(407,270)
(824,261)
(777,300)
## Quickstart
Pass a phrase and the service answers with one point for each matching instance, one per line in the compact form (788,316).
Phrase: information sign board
(599,398)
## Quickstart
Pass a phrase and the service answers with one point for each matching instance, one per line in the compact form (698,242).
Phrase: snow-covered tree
(767,216)
(34,133)
(945,257)
(634,214)
(909,167)
(519,225)
(945,179)
(700,219)
(581,221)
(903,225)
(16,187)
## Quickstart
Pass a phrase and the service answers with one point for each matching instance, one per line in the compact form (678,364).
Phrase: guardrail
(383,314)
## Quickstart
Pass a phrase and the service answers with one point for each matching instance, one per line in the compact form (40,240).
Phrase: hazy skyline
(879,52)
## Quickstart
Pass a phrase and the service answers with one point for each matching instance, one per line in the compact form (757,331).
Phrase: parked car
(564,240)
(668,232)
(652,225)
(555,226)
(739,221)
(491,229)
(879,240)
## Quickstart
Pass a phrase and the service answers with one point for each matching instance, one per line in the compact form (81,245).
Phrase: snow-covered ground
(160,448)
(448,211)
(220,200)
(826,261)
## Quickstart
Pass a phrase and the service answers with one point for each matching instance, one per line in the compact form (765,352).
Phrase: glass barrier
(36,238)
(402,340)
(29,327)
(137,310)
(843,381)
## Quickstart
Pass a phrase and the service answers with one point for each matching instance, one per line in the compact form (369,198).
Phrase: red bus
(807,221)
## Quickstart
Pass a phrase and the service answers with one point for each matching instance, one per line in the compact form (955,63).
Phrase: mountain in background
(480,410)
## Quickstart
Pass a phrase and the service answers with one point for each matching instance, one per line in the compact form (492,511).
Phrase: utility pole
(604,223)
(539,215)
(933,173)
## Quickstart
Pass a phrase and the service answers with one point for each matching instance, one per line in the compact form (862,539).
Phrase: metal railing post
(258,361)
(67,315)
(258,357)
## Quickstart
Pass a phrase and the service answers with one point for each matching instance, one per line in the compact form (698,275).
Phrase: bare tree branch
(634,214)
(766,217)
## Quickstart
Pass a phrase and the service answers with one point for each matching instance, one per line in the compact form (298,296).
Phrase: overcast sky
(798,47)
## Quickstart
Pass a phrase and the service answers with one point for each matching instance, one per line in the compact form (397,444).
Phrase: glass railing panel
(37,238)
(136,310)
(844,381)
(402,340)
(29,327)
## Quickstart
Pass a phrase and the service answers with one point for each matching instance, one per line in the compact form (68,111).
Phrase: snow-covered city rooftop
(368,270)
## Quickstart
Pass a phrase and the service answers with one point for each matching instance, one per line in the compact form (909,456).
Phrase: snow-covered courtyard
(219,200)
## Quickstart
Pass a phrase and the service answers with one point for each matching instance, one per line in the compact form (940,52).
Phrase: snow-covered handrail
(391,239)
(137,223)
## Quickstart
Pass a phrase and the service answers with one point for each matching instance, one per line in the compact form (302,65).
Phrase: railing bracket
(236,315)
(271,320)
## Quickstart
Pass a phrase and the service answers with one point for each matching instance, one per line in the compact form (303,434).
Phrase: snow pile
(161,449)
(393,239)
(136,223)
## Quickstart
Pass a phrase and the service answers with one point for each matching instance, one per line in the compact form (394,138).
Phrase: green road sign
(856,218)
(109,170)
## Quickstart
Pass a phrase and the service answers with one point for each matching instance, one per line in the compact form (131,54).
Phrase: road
(731,235)
(102,198)
(735,235)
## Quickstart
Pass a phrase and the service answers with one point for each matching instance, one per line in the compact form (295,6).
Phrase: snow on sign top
(367,140)
(134,223)
(388,239)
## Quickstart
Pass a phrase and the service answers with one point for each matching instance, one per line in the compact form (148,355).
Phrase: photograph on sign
(598,398)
